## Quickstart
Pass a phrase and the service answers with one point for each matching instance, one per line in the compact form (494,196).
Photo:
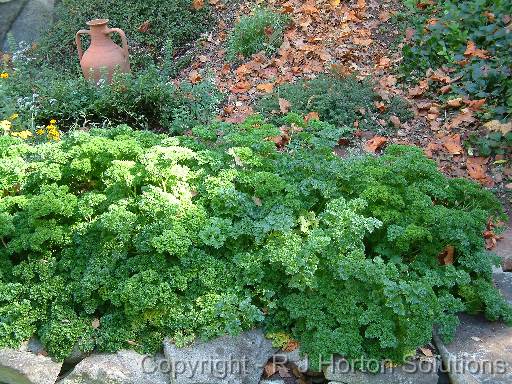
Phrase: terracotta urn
(103,58)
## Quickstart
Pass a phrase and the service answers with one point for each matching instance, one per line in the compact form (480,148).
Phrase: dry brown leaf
(473,51)
(144,27)
(194,77)
(446,257)
(311,116)
(270,369)
(334,3)
(384,62)
(419,89)
(475,105)
(444,90)
(455,103)
(284,105)
(466,116)
(384,16)
(477,167)
(266,87)
(431,148)
(497,126)
(291,346)
(395,120)
(376,143)
(452,144)
(197,4)
(427,352)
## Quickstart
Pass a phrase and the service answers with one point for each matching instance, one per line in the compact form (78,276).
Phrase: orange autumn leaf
(376,143)
(446,257)
(197,4)
(266,87)
(475,105)
(473,51)
(144,27)
(465,117)
(452,144)
(194,77)
(454,103)
(311,116)
(477,167)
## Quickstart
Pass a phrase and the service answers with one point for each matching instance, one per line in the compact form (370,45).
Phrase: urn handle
(123,39)
(79,41)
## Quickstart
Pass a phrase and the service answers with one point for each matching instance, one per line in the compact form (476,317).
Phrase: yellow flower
(14,116)
(40,131)
(23,134)
(53,121)
(4,75)
(5,125)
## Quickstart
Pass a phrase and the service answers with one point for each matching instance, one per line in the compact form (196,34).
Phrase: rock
(503,282)
(123,367)
(504,250)
(75,356)
(225,360)
(482,350)
(8,13)
(272,382)
(422,371)
(35,17)
(22,367)
(301,362)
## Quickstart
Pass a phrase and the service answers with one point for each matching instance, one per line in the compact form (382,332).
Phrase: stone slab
(9,11)
(419,371)
(482,350)
(35,17)
(225,360)
(21,367)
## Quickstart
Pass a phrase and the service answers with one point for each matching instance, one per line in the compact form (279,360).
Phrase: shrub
(442,35)
(339,101)
(261,31)
(218,231)
(145,100)
(168,20)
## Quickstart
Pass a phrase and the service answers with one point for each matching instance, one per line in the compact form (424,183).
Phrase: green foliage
(491,143)
(485,23)
(175,20)
(218,231)
(261,31)
(339,101)
(144,99)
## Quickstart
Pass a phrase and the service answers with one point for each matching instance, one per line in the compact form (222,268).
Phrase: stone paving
(25,20)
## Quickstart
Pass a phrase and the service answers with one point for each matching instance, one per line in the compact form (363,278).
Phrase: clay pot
(103,58)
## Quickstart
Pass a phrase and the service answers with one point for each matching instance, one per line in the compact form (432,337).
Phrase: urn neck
(99,30)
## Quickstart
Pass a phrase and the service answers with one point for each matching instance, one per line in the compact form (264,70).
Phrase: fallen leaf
(384,62)
(266,87)
(477,167)
(284,105)
(455,103)
(446,257)
(270,369)
(384,16)
(194,77)
(395,120)
(291,346)
(497,126)
(197,4)
(475,105)
(466,116)
(452,144)
(311,116)
(473,51)
(419,89)
(444,90)
(376,143)
(427,352)
(144,27)
(334,3)
(380,106)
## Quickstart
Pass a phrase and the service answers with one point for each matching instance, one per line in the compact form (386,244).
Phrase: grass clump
(339,101)
(218,231)
(263,30)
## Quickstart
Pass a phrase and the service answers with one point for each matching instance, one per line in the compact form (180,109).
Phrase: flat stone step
(35,17)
